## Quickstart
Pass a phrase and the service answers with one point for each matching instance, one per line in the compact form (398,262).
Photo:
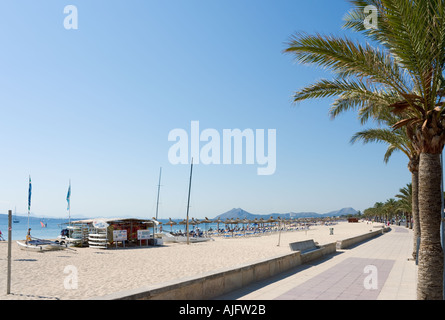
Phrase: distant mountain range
(242,214)
(231,214)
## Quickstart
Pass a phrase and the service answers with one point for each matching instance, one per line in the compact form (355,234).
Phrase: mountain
(342,212)
(241,214)
(237,213)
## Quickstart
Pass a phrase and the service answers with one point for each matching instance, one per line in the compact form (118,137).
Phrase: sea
(54,226)
(19,230)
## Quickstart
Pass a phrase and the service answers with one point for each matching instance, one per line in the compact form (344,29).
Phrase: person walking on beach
(1,236)
(28,236)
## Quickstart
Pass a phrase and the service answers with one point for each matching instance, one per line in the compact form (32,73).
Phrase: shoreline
(48,275)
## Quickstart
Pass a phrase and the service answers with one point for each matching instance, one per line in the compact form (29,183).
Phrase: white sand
(100,272)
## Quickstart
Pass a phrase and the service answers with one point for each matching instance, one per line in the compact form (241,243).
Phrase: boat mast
(188,203)
(29,198)
(157,201)
(69,204)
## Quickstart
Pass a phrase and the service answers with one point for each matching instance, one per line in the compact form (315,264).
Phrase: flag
(68,196)
(29,194)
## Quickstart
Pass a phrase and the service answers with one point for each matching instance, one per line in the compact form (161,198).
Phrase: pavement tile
(377,269)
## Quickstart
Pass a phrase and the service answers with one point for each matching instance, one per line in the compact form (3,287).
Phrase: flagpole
(188,203)
(68,199)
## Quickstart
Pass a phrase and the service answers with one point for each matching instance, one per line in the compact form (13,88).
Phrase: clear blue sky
(96,105)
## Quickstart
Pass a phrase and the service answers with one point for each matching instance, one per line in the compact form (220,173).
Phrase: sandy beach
(41,276)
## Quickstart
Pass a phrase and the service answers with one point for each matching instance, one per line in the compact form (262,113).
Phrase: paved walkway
(378,269)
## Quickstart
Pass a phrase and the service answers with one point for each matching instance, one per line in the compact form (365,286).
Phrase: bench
(303,246)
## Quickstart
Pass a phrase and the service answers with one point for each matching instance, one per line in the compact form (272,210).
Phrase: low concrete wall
(213,284)
(346,243)
(319,253)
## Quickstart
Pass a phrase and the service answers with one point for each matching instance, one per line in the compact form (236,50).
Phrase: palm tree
(390,209)
(397,140)
(404,66)
(405,204)
(376,212)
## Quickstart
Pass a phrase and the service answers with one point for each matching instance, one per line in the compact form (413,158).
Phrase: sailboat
(15,220)
(43,224)
(171,238)
(40,245)
(35,244)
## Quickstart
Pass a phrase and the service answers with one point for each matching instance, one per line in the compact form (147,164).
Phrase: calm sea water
(19,230)
(55,226)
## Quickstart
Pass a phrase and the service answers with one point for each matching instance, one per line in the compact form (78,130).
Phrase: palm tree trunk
(415,210)
(430,268)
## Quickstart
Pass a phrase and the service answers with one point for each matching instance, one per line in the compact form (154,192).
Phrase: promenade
(378,269)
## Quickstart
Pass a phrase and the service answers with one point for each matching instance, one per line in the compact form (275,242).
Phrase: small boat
(43,224)
(74,235)
(15,220)
(167,237)
(40,245)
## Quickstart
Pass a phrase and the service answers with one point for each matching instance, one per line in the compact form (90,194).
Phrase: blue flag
(29,194)
(68,196)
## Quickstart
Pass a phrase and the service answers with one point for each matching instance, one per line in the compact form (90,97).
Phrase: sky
(95,106)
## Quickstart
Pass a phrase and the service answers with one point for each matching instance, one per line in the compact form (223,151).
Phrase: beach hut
(103,232)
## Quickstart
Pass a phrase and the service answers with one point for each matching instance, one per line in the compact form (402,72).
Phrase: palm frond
(397,140)
(348,58)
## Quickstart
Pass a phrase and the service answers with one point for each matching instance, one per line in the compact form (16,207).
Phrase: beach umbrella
(191,222)
(261,221)
(171,223)
(206,221)
(245,221)
(230,221)
(218,221)
(195,222)
(183,222)
(255,223)
(279,231)
(270,220)
(237,221)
